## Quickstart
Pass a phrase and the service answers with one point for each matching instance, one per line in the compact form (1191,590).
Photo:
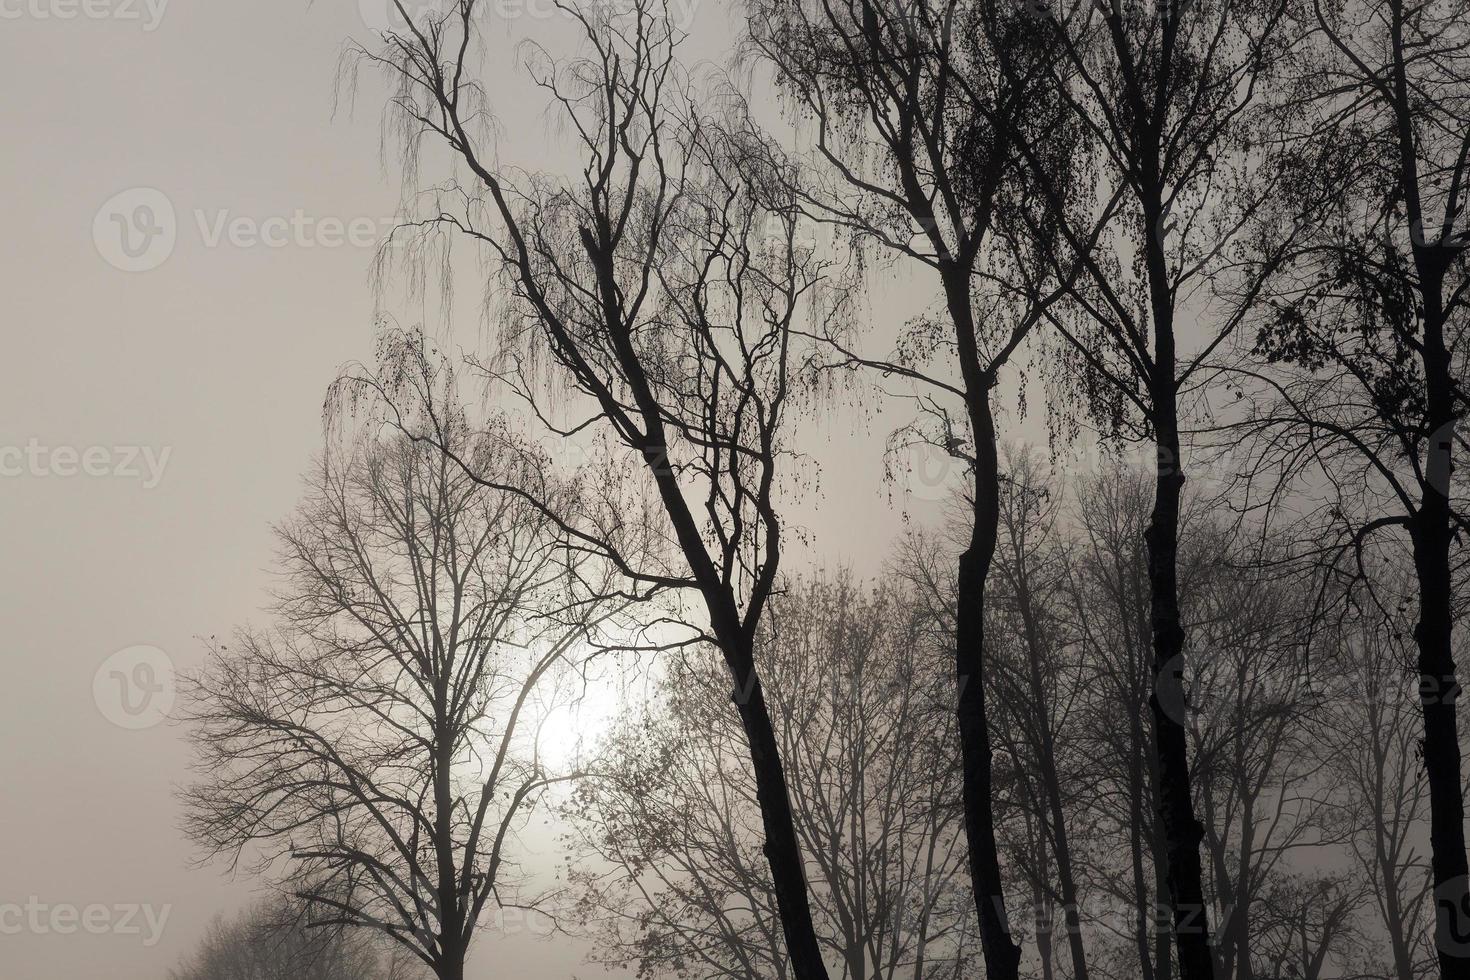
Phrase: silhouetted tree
(1372,313)
(915,130)
(1310,919)
(1107,593)
(378,747)
(1251,709)
(866,737)
(1038,670)
(1370,748)
(268,942)
(659,289)
(1169,95)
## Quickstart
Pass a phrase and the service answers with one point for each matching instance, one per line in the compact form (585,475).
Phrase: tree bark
(1159,848)
(1183,832)
(1002,954)
(1439,687)
(1044,944)
(782,851)
(1432,533)
(450,965)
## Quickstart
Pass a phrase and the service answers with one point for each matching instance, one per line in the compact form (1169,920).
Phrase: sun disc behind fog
(571,729)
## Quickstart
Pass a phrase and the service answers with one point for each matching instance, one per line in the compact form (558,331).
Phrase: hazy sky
(155,421)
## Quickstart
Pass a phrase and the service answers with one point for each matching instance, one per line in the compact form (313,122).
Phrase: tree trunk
(1182,831)
(1071,914)
(450,965)
(1159,849)
(1393,919)
(1143,907)
(1432,533)
(736,641)
(1002,954)
(1050,779)
(1044,944)
(1388,868)
(783,853)
(1225,884)
(1439,689)
(1240,908)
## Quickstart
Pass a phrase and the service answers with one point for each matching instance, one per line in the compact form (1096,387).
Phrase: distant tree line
(268,941)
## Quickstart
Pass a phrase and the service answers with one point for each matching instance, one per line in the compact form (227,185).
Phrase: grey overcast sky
(154,423)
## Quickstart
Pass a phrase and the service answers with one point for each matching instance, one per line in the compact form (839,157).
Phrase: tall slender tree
(1170,95)
(1370,748)
(661,290)
(1039,683)
(1107,592)
(1373,314)
(915,127)
(867,736)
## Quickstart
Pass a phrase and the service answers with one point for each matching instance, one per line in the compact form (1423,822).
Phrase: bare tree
(869,747)
(915,129)
(1371,749)
(660,289)
(1038,669)
(1311,920)
(1072,672)
(267,942)
(1372,315)
(378,748)
(1170,96)
(1251,711)
(1107,590)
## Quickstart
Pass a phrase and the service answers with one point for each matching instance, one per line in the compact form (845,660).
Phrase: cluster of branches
(268,942)
(1308,780)
(1207,218)
(378,747)
(667,831)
